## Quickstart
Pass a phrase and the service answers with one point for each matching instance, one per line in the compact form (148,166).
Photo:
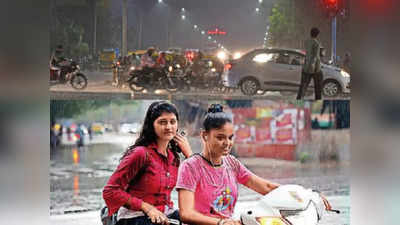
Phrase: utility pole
(93,5)
(334,26)
(124,28)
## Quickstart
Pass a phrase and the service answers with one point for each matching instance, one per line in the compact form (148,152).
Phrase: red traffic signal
(331,4)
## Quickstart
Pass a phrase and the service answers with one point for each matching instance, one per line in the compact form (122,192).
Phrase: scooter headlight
(132,68)
(170,68)
(267,220)
(344,73)
(213,70)
(77,66)
(178,66)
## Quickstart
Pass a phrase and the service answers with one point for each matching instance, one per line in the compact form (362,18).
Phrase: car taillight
(228,66)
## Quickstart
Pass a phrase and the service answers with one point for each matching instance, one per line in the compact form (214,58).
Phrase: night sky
(245,29)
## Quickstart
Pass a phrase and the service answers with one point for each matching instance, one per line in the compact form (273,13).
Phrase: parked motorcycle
(69,71)
(151,79)
(287,205)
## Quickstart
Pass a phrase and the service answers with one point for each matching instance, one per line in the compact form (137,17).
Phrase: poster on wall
(266,125)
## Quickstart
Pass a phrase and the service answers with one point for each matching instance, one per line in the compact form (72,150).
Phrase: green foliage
(280,22)
(73,108)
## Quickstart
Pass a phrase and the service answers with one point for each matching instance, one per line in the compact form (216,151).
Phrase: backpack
(112,220)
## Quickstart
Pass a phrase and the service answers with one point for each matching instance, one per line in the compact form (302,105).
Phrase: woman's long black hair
(148,135)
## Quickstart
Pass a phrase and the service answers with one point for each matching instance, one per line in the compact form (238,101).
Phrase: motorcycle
(287,205)
(71,72)
(208,78)
(151,79)
(177,74)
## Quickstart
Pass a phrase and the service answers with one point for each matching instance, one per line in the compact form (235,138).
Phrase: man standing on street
(312,66)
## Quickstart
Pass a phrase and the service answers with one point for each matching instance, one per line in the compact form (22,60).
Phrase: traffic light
(332,6)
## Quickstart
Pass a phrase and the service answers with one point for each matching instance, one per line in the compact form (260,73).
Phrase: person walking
(312,66)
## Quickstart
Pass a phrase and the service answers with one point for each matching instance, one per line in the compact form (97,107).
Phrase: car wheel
(331,88)
(249,86)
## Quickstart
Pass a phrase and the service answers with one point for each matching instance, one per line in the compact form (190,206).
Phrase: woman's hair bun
(215,108)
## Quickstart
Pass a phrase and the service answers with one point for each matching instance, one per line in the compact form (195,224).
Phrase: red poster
(286,120)
(283,135)
(263,134)
(242,134)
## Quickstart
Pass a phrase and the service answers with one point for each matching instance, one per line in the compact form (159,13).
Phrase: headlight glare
(344,73)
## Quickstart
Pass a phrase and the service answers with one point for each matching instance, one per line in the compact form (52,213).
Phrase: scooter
(287,205)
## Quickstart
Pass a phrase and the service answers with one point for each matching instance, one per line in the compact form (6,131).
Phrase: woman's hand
(154,214)
(184,145)
(328,206)
(231,222)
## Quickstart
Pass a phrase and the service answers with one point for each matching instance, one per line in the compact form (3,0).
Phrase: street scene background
(94,135)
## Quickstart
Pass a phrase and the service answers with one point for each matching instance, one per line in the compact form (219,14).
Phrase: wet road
(77,177)
(100,87)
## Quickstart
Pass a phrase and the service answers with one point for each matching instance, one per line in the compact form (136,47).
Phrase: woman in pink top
(208,182)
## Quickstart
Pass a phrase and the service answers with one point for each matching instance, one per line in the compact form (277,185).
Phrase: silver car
(277,69)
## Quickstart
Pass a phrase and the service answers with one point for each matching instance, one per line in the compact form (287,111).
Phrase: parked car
(278,69)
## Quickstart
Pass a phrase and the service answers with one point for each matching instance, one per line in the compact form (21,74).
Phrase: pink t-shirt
(215,188)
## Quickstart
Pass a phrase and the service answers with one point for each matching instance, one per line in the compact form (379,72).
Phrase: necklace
(209,162)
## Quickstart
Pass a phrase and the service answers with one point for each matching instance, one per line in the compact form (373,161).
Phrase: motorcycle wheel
(134,83)
(134,86)
(172,88)
(79,81)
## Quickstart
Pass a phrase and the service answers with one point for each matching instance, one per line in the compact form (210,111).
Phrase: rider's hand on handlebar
(328,206)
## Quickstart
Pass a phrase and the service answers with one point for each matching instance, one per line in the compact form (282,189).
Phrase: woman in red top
(140,188)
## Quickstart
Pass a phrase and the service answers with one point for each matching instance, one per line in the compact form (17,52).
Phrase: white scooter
(286,205)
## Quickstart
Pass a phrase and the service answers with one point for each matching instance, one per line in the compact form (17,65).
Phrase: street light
(257,9)
(195,26)
(209,37)
(183,9)
(183,17)
(260,1)
(160,1)
(203,32)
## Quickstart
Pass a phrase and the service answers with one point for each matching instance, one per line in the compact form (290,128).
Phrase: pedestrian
(208,182)
(312,66)
(140,188)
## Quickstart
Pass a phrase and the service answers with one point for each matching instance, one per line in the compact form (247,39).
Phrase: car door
(262,69)
(286,73)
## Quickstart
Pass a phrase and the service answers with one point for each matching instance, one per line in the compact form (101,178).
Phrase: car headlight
(266,220)
(344,73)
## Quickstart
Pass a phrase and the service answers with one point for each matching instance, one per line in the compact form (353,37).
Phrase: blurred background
(304,142)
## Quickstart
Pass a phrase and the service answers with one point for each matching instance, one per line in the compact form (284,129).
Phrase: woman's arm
(260,185)
(189,215)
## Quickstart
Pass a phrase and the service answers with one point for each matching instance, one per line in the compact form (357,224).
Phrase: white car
(277,69)
(132,128)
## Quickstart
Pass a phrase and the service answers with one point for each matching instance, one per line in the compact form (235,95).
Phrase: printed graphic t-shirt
(215,188)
